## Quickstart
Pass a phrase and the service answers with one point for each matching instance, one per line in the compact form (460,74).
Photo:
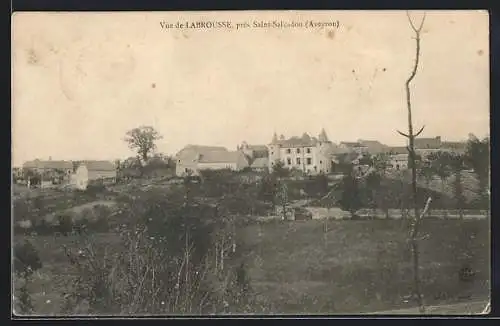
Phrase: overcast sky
(81,80)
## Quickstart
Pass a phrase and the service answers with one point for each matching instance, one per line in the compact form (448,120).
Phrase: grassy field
(363,266)
(359,266)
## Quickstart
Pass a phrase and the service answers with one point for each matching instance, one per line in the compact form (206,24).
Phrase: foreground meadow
(319,266)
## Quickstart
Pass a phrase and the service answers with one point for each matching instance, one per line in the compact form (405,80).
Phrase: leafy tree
(373,183)
(26,258)
(65,224)
(282,198)
(366,159)
(279,170)
(26,262)
(379,162)
(426,171)
(344,162)
(350,198)
(268,189)
(118,164)
(142,139)
(477,157)
(441,164)
(321,184)
(32,177)
(457,164)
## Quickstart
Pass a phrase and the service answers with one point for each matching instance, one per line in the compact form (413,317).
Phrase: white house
(309,154)
(194,158)
(89,171)
(399,161)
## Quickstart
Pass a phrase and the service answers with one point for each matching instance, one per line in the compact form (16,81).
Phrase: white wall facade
(81,177)
(309,159)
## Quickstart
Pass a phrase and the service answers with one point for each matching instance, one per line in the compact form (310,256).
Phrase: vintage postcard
(250,163)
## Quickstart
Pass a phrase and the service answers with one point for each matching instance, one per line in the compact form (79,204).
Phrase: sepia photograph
(250,163)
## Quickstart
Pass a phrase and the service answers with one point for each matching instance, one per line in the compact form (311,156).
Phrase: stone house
(194,158)
(88,172)
(308,154)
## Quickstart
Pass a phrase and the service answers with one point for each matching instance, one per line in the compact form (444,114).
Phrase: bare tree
(414,224)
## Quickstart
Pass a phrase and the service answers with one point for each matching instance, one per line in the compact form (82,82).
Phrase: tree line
(372,190)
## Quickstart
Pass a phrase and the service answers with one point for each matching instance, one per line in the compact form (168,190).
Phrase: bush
(94,189)
(26,258)
(65,225)
(152,274)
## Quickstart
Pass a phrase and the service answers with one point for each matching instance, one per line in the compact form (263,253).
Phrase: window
(308,150)
(272,153)
(309,161)
(288,151)
(298,150)
(298,160)
(179,161)
(320,162)
(289,161)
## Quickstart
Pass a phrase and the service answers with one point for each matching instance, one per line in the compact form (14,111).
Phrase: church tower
(324,152)
(274,151)
(323,138)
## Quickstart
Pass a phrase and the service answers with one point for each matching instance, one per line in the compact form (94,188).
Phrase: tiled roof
(374,146)
(454,145)
(351,144)
(37,164)
(261,162)
(190,152)
(428,142)
(298,142)
(221,157)
(258,147)
(397,150)
(303,141)
(99,165)
(204,148)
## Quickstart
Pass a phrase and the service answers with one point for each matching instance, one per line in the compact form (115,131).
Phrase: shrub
(94,189)
(26,258)
(65,225)
(166,265)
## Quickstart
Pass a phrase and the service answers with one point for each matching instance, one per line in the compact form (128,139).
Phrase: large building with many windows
(309,154)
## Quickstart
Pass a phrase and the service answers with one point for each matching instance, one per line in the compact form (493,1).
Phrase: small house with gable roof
(88,172)
(193,158)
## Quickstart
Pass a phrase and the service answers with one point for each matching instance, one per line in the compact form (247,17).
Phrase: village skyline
(230,147)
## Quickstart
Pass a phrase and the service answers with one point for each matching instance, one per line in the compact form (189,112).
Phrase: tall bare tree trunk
(412,160)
